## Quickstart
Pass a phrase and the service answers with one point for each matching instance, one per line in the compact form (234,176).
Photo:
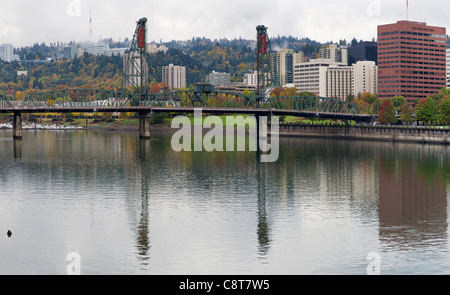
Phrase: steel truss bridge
(202,96)
(98,100)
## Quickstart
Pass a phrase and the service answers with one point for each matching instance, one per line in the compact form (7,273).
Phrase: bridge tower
(135,68)
(135,72)
(267,76)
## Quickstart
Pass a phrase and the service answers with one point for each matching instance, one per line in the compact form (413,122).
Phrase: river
(128,206)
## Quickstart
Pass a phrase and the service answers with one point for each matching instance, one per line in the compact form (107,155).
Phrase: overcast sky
(25,22)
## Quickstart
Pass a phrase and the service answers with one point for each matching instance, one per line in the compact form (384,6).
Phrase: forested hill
(201,56)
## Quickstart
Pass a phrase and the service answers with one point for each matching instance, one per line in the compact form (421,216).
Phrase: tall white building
(365,77)
(6,52)
(284,61)
(312,76)
(338,82)
(251,79)
(331,79)
(174,76)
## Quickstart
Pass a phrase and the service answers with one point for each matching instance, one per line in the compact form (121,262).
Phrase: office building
(411,60)
(365,77)
(334,53)
(324,77)
(216,78)
(100,49)
(284,61)
(363,51)
(6,52)
(174,76)
(334,79)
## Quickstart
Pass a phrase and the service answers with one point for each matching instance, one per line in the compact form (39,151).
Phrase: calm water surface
(136,207)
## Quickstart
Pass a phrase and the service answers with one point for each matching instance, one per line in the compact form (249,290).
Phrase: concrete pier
(144,125)
(17,126)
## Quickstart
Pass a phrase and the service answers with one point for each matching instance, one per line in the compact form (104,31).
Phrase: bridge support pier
(144,125)
(261,130)
(17,126)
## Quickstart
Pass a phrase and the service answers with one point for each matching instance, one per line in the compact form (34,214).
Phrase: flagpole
(407,10)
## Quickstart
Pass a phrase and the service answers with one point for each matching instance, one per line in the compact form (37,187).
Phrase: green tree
(376,106)
(398,100)
(406,113)
(444,111)
(427,110)
(386,114)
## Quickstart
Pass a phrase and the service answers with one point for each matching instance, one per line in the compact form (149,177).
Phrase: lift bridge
(203,96)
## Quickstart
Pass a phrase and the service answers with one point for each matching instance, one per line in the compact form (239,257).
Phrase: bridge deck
(138,109)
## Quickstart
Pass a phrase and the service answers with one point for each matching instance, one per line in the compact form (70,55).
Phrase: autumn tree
(386,114)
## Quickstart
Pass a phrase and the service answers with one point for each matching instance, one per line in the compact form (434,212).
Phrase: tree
(444,111)
(368,97)
(386,115)
(427,110)
(398,100)
(406,114)
(350,97)
(376,106)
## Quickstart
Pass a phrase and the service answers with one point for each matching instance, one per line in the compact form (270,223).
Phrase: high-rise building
(365,77)
(411,60)
(324,77)
(6,52)
(284,61)
(363,51)
(334,53)
(174,76)
(334,79)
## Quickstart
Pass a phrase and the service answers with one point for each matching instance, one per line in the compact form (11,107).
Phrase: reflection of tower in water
(263,230)
(412,203)
(143,234)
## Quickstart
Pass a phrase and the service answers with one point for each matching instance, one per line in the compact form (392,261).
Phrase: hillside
(200,55)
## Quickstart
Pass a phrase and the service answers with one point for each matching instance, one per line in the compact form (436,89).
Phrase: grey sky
(25,22)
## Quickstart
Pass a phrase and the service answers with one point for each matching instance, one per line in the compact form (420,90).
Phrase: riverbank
(411,134)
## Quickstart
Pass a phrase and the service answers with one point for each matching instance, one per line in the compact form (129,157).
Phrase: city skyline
(23,24)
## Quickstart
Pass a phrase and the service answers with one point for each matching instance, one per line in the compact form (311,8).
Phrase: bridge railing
(94,98)
(76,98)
